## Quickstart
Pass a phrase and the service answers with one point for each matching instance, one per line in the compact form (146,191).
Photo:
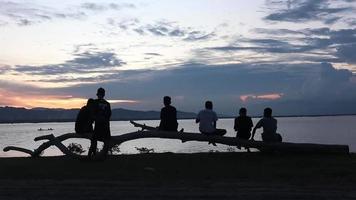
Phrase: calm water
(326,130)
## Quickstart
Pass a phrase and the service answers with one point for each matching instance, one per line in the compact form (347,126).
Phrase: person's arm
(175,114)
(253,134)
(250,125)
(215,119)
(197,119)
(161,114)
(235,125)
(109,110)
(258,125)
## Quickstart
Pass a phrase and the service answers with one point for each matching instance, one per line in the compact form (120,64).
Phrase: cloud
(4,69)
(274,46)
(167,29)
(290,88)
(308,10)
(346,53)
(25,14)
(273,96)
(90,63)
(308,88)
(106,6)
(302,45)
(153,54)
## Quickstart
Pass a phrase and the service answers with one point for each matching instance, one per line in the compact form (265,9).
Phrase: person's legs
(271,137)
(106,147)
(93,147)
(243,136)
(209,134)
(278,137)
(220,132)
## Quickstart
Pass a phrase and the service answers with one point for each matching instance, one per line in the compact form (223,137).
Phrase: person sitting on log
(102,114)
(269,125)
(168,116)
(243,125)
(207,121)
(84,121)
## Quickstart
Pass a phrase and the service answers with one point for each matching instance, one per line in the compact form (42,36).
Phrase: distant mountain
(18,115)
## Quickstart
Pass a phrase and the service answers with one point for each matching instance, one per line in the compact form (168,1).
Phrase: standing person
(102,114)
(269,125)
(243,125)
(207,121)
(84,121)
(168,116)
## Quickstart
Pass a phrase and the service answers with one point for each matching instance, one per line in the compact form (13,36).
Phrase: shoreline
(153,119)
(192,176)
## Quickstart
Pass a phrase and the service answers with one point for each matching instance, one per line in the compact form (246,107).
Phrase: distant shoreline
(145,119)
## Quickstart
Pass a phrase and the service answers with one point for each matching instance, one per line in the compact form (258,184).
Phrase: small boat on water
(45,129)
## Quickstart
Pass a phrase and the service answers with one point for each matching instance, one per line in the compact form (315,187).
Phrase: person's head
(243,112)
(167,100)
(209,105)
(267,112)
(100,93)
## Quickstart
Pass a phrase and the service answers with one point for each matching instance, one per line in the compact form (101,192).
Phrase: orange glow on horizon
(47,101)
(272,96)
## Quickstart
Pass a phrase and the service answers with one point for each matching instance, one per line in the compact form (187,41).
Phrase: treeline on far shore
(37,115)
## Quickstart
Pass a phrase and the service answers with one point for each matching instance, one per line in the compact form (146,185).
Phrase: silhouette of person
(85,119)
(269,125)
(168,116)
(207,121)
(243,125)
(102,114)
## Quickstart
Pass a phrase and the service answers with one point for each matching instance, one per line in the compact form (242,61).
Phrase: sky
(296,56)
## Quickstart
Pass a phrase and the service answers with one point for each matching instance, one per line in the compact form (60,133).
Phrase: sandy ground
(178,176)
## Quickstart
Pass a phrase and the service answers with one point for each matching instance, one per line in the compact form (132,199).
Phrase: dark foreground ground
(181,176)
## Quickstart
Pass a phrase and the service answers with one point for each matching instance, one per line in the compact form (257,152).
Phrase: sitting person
(207,121)
(269,125)
(85,119)
(168,116)
(243,125)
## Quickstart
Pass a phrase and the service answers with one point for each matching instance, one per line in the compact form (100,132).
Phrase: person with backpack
(102,114)
(84,121)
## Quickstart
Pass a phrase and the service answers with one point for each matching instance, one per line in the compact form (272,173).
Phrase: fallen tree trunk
(151,132)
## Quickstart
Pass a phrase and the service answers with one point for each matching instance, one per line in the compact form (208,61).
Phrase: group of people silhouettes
(98,112)
(207,119)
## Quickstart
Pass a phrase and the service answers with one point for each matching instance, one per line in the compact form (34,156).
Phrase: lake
(323,130)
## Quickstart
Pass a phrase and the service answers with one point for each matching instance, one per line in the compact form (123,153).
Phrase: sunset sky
(297,56)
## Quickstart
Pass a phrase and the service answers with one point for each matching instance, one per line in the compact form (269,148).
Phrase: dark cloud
(276,31)
(312,44)
(307,88)
(153,54)
(308,10)
(271,46)
(4,68)
(347,53)
(105,6)
(301,85)
(24,14)
(170,29)
(87,62)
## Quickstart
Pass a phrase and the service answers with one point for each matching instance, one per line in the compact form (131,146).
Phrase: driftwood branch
(152,132)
